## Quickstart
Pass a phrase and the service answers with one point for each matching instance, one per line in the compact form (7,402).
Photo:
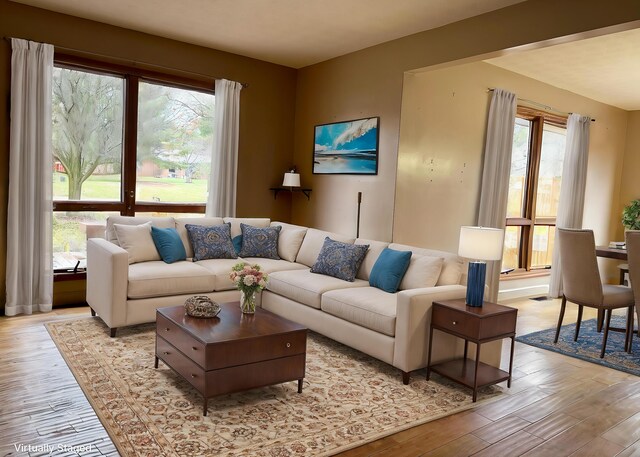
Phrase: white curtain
(574,180)
(224,161)
(29,237)
(495,173)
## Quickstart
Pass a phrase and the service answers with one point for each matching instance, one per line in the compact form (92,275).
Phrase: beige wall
(370,83)
(267,105)
(630,186)
(442,138)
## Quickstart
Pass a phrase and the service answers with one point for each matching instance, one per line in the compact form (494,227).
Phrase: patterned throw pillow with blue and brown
(211,242)
(260,242)
(340,260)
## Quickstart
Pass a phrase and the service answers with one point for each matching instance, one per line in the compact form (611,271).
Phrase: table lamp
(479,244)
(291,179)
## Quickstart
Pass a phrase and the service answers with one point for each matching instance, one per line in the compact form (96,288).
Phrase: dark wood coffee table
(231,352)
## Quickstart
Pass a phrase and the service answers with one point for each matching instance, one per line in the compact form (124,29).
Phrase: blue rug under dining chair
(589,344)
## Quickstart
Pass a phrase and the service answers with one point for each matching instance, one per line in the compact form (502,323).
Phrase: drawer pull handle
(166,329)
(454,323)
(288,345)
(166,353)
(193,348)
(193,376)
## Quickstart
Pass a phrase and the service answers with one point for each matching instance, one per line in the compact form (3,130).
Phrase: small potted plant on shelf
(631,215)
(249,279)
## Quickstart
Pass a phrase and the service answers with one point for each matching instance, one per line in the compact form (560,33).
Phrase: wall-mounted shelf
(276,190)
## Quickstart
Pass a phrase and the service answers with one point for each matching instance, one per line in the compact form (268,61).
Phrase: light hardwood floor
(556,406)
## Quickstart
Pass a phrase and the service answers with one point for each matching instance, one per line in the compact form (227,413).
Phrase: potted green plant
(631,215)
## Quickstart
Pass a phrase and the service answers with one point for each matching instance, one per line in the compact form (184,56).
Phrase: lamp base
(475,283)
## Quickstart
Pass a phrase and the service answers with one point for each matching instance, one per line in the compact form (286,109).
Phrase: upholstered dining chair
(582,284)
(632,238)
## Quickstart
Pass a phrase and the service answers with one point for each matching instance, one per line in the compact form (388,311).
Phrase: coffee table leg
(300,385)
(155,365)
(206,401)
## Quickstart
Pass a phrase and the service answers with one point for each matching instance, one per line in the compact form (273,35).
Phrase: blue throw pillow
(168,244)
(237,243)
(211,242)
(389,269)
(340,260)
(260,242)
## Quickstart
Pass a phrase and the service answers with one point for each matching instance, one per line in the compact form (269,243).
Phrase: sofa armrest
(413,317)
(107,280)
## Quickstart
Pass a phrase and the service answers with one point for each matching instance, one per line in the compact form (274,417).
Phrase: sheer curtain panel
(572,188)
(224,162)
(495,173)
(29,237)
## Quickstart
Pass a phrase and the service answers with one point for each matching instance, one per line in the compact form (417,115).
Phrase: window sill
(522,274)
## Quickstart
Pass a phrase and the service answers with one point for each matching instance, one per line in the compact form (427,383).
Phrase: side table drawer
(192,348)
(454,321)
(180,363)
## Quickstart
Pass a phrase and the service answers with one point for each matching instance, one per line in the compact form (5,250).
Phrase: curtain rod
(546,107)
(135,62)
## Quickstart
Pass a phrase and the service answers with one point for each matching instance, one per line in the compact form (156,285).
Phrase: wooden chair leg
(630,325)
(562,308)
(575,337)
(600,320)
(607,318)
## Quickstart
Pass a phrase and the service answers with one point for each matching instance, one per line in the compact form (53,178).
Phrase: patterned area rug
(348,399)
(589,345)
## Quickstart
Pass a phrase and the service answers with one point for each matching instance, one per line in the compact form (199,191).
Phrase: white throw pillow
(423,271)
(290,240)
(137,241)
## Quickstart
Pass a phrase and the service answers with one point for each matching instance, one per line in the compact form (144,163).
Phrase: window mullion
(532,190)
(130,145)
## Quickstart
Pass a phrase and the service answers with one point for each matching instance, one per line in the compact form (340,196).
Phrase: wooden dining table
(611,253)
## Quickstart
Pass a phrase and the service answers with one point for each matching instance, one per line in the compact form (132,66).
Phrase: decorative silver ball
(201,306)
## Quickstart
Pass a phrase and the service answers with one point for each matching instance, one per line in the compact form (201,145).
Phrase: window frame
(127,206)
(528,221)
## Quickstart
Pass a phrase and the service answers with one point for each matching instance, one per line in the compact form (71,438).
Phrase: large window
(124,142)
(534,190)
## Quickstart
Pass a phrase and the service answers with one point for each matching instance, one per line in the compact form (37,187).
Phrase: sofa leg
(113,332)
(93,313)
(405,377)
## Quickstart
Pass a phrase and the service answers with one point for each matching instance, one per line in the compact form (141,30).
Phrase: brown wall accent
(266,112)
(370,83)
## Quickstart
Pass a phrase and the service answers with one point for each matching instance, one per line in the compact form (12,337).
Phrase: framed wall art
(347,148)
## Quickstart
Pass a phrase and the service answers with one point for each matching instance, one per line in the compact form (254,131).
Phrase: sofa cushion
(260,242)
(375,248)
(306,287)
(271,265)
(389,269)
(236,231)
(290,240)
(220,269)
(137,241)
(159,279)
(340,260)
(168,244)
(110,233)
(365,306)
(423,271)
(312,244)
(182,230)
(211,242)
(452,269)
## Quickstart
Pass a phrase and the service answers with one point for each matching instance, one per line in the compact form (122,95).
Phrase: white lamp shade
(291,180)
(481,243)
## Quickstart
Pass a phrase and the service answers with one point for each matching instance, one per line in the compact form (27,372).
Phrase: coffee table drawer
(254,375)
(251,350)
(187,344)
(181,364)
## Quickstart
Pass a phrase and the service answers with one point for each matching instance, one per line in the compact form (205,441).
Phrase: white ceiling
(295,33)
(606,68)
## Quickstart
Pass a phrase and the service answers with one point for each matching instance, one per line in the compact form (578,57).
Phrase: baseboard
(523,292)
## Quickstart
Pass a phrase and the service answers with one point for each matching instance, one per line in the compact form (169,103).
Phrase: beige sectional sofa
(391,327)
